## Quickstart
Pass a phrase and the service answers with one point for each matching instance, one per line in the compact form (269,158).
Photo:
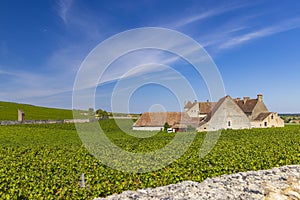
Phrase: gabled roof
(206,107)
(248,106)
(214,109)
(262,116)
(153,119)
(188,105)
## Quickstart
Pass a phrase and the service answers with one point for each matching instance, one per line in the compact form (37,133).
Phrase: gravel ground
(281,183)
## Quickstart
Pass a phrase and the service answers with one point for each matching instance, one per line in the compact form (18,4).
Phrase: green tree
(102,113)
(166,126)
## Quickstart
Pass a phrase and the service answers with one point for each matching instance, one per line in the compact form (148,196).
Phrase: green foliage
(9,111)
(91,112)
(166,126)
(190,128)
(102,113)
(46,161)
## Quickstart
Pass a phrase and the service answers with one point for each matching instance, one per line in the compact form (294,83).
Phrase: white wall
(228,111)
(275,122)
(147,128)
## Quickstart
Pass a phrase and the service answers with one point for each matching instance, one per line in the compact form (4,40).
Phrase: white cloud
(3,72)
(32,85)
(127,62)
(218,10)
(64,7)
(80,19)
(280,27)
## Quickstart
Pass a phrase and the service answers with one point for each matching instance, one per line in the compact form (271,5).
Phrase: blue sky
(254,44)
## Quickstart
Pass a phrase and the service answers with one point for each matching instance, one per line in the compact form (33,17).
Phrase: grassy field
(9,111)
(46,161)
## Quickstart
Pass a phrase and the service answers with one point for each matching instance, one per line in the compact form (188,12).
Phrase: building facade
(227,113)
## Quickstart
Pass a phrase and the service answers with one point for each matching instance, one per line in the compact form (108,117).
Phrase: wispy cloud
(64,7)
(5,72)
(280,27)
(206,14)
(78,18)
(30,86)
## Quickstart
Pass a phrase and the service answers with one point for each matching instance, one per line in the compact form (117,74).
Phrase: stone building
(155,121)
(227,113)
(21,116)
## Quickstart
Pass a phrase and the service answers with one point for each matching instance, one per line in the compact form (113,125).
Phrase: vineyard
(47,161)
(9,111)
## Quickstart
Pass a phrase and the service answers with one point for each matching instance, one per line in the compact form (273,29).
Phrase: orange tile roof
(262,116)
(248,106)
(206,107)
(152,119)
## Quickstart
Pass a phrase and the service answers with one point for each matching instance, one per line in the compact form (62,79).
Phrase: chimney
(195,101)
(246,99)
(260,97)
(238,98)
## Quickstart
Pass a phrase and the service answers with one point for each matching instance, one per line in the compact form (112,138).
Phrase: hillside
(9,111)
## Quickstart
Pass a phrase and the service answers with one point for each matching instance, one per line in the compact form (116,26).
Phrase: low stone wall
(32,122)
(282,183)
(9,122)
(67,121)
(76,121)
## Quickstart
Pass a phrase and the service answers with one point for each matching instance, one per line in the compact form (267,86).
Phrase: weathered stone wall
(259,108)
(274,121)
(31,122)
(47,121)
(228,116)
(194,111)
(147,128)
(76,121)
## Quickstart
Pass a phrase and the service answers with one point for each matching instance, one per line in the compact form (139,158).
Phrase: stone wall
(269,122)
(259,108)
(147,128)
(11,122)
(227,116)
(31,122)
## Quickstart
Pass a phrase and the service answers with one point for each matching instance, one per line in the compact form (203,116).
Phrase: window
(272,117)
(266,123)
(229,123)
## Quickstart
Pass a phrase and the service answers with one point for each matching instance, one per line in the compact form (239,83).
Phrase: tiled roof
(248,106)
(188,105)
(160,118)
(215,108)
(262,116)
(206,107)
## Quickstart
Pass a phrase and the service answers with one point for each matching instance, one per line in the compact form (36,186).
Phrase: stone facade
(21,115)
(259,108)
(227,113)
(271,119)
(239,114)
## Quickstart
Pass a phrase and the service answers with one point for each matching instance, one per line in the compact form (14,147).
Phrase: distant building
(227,113)
(21,115)
(155,121)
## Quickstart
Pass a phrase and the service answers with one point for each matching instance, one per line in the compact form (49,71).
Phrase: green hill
(9,111)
